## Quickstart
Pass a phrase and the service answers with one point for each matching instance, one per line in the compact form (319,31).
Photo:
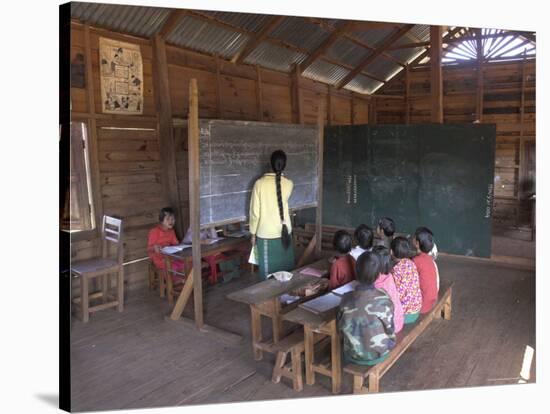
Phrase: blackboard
(234,154)
(439,176)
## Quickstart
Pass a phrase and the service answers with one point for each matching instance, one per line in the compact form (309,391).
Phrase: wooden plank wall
(125,149)
(502,105)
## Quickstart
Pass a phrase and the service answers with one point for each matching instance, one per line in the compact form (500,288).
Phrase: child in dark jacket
(342,269)
(427,270)
(365,316)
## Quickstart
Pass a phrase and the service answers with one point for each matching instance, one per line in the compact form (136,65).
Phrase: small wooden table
(263,298)
(186,255)
(325,325)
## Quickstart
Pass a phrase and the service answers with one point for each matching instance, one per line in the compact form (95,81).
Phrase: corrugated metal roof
(374,37)
(382,68)
(207,38)
(274,57)
(405,55)
(247,21)
(363,84)
(421,31)
(301,33)
(325,72)
(136,20)
(347,52)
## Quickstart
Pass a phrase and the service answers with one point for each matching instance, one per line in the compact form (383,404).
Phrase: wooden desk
(263,299)
(186,255)
(324,325)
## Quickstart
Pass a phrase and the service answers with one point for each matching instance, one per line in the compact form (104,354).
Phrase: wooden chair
(102,267)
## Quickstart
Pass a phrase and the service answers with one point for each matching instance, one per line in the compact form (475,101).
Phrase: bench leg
(84,298)
(256,328)
(297,381)
(280,361)
(308,344)
(104,289)
(373,382)
(447,309)
(358,384)
(277,323)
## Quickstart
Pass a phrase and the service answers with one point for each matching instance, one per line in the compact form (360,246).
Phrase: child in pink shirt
(385,282)
(407,280)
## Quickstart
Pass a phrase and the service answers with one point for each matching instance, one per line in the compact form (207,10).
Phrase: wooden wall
(503,85)
(124,150)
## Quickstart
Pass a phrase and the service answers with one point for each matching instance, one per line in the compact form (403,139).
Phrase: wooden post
(372,111)
(479,95)
(352,110)
(259,102)
(194,201)
(436,74)
(329,107)
(218,87)
(320,152)
(297,115)
(521,169)
(92,129)
(407,95)
(166,130)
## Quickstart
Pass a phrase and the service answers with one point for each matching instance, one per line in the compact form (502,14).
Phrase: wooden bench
(404,339)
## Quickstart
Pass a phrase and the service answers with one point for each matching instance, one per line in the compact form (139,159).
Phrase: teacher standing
(269,219)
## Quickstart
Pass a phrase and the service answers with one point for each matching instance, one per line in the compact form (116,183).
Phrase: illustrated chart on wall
(234,154)
(439,176)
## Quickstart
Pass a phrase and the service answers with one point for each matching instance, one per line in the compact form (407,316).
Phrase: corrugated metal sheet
(274,57)
(207,38)
(362,84)
(405,55)
(373,37)
(382,68)
(325,72)
(347,52)
(301,33)
(247,21)
(136,20)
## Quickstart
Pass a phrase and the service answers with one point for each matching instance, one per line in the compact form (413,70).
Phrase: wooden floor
(139,359)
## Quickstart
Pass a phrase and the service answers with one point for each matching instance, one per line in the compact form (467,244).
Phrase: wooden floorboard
(139,359)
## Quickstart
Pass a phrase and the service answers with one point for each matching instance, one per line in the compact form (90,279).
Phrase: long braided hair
(278,164)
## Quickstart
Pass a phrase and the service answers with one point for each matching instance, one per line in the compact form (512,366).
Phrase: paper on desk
(286,298)
(211,241)
(174,249)
(348,287)
(322,304)
(311,271)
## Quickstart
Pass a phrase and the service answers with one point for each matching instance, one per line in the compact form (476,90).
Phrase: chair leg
(120,288)
(162,282)
(151,276)
(84,298)
(104,287)
(280,361)
(358,381)
(373,382)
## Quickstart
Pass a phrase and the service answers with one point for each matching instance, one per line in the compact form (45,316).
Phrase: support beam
(165,130)
(171,23)
(372,111)
(259,99)
(448,36)
(218,88)
(436,74)
(258,38)
(320,151)
(407,95)
(194,199)
(388,41)
(479,91)
(325,46)
(297,113)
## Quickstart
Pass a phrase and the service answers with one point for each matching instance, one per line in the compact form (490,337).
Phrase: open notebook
(174,249)
(348,287)
(322,304)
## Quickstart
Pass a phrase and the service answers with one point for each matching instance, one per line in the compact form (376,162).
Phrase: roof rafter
(255,40)
(387,42)
(323,47)
(170,23)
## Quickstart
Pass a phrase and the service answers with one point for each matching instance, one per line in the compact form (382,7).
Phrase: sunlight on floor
(525,372)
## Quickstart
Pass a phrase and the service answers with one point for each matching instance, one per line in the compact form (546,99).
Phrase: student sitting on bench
(427,271)
(406,279)
(342,269)
(385,231)
(163,235)
(365,317)
(364,236)
(385,282)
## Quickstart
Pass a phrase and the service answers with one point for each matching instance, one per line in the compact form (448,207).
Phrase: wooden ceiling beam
(448,36)
(325,46)
(386,43)
(256,39)
(171,23)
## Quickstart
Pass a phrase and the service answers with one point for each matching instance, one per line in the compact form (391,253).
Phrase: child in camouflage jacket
(365,317)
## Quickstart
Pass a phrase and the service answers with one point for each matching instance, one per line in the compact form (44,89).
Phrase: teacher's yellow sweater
(265,221)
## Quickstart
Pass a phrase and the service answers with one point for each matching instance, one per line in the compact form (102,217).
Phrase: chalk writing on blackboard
(489,200)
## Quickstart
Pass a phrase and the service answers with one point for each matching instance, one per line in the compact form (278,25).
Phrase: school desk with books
(264,299)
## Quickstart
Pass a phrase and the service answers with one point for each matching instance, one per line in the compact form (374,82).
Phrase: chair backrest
(111,232)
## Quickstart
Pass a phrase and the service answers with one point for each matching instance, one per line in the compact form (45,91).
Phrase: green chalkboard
(439,176)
